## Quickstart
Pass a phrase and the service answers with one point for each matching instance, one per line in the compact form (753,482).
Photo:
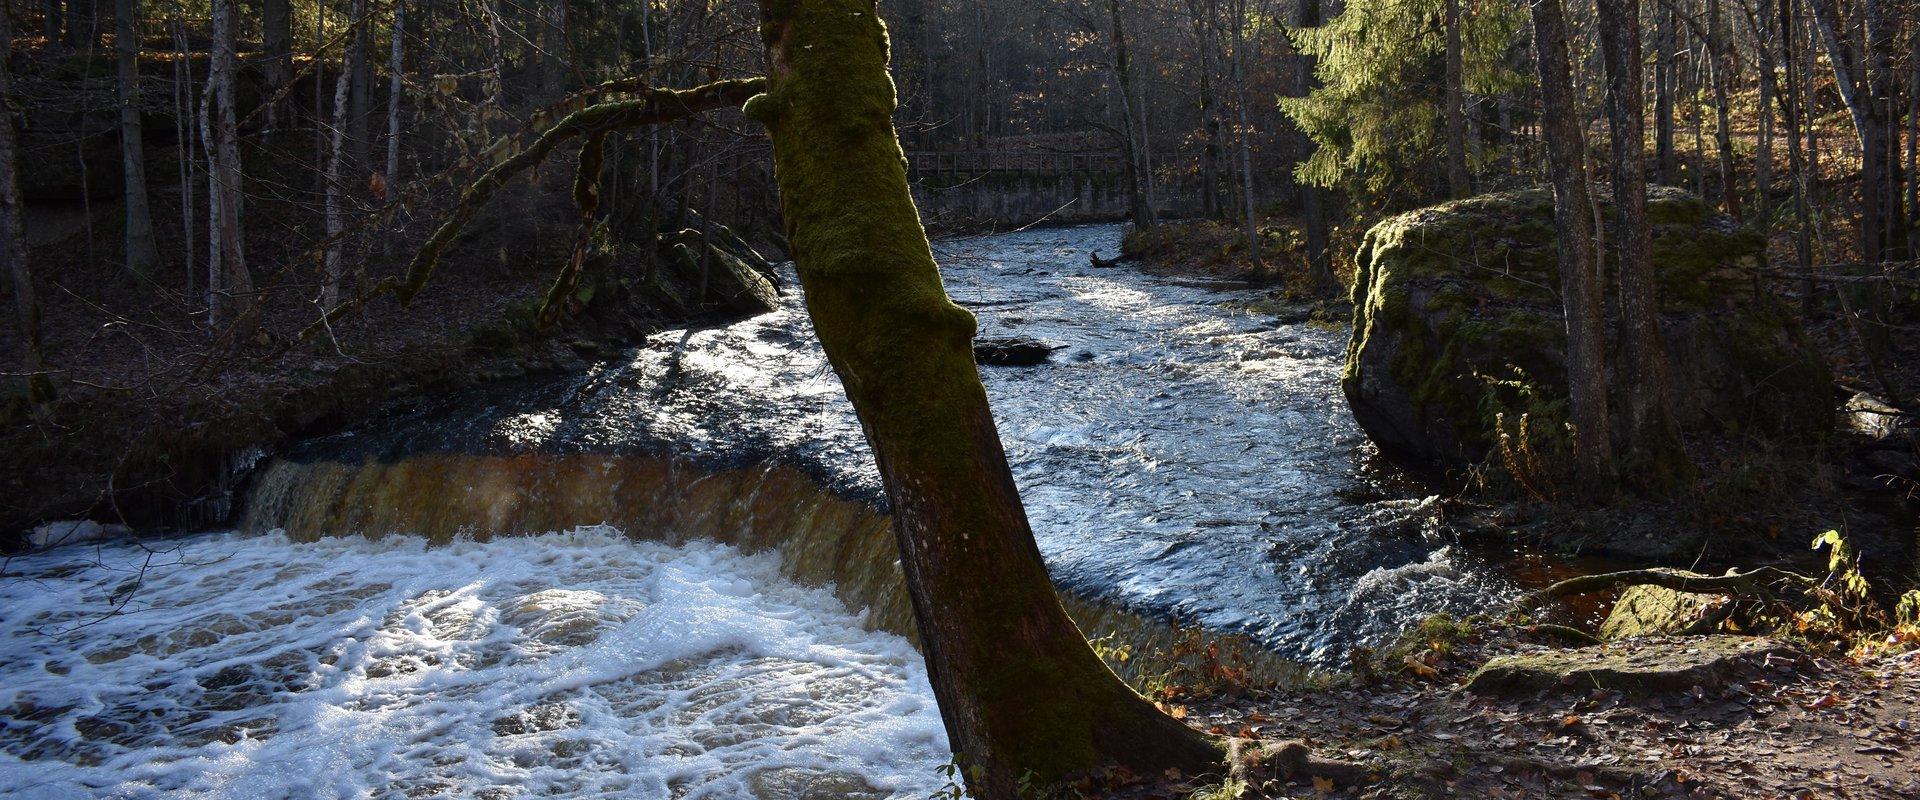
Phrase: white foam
(576,664)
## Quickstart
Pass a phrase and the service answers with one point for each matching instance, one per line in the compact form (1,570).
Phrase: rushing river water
(1183,455)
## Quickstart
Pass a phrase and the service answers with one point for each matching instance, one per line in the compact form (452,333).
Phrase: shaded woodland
(1629,281)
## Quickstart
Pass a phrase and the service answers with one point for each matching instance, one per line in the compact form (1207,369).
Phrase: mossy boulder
(1648,610)
(1458,323)
(708,273)
(1641,667)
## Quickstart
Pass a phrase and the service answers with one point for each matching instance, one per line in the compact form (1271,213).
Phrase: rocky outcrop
(1012,351)
(1457,322)
(1648,610)
(1644,666)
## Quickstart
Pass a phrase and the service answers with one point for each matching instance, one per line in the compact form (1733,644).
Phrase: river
(1185,454)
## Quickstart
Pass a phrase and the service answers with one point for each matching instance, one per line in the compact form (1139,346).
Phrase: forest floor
(1800,727)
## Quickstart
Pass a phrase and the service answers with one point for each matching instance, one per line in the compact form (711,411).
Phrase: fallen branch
(1679,580)
(651,107)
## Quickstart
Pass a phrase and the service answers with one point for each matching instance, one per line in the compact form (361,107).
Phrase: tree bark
(1022,694)
(1656,458)
(1718,50)
(1579,274)
(358,69)
(13,250)
(1763,156)
(396,66)
(230,285)
(276,38)
(53,18)
(1140,199)
(82,23)
(337,171)
(1313,199)
(1455,104)
(1204,17)
(1245,150)
(1866,123)
(1666,163)
(142,254)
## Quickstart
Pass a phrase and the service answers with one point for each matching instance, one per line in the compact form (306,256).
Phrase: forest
(1006,399)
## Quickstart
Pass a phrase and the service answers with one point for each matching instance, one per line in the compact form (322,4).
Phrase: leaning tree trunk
(1579,273)
(1021,692)
(1658,459)
(142,253)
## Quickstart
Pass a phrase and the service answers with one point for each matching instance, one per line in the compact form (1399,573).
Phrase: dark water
(1182,454)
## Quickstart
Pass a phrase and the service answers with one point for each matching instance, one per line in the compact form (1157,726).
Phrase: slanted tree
(1657,458)
(1573,226)
(142,254)
(1024,697)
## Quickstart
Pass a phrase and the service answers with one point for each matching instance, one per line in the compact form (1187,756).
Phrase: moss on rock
(1646,666)
(1457,325)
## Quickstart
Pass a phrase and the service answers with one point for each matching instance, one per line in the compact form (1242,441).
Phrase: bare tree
(1454,101)
(1579,270)
(1132,131)
(13,248)
(229,284)
(276,38)
(1653,437)
(337,167)
(142,254)
(396,73)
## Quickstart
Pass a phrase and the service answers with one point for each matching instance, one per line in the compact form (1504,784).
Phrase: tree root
(1752,582)
(1257,762)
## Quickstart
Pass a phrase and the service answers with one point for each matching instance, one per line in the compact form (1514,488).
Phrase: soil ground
(1809,727)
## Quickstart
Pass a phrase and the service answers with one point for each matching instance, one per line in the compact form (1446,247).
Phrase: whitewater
(578,664)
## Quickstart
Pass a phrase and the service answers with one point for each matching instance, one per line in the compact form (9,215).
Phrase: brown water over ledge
(822,539)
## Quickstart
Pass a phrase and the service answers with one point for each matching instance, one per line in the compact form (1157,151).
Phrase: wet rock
(1458,318)
(1872,416)
(704,274)
(1647,610)
(1012,351)
(53,534)
(1644,666)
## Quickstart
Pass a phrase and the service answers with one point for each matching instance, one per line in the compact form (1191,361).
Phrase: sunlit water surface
(580,664)
(1183,456)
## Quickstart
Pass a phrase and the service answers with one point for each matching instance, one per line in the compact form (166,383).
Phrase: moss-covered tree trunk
(1579,273)
(1022,694)
(1655,457)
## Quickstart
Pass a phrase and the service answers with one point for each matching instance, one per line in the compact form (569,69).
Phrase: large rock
(1648,610)
(1643,666)
(1457,319)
